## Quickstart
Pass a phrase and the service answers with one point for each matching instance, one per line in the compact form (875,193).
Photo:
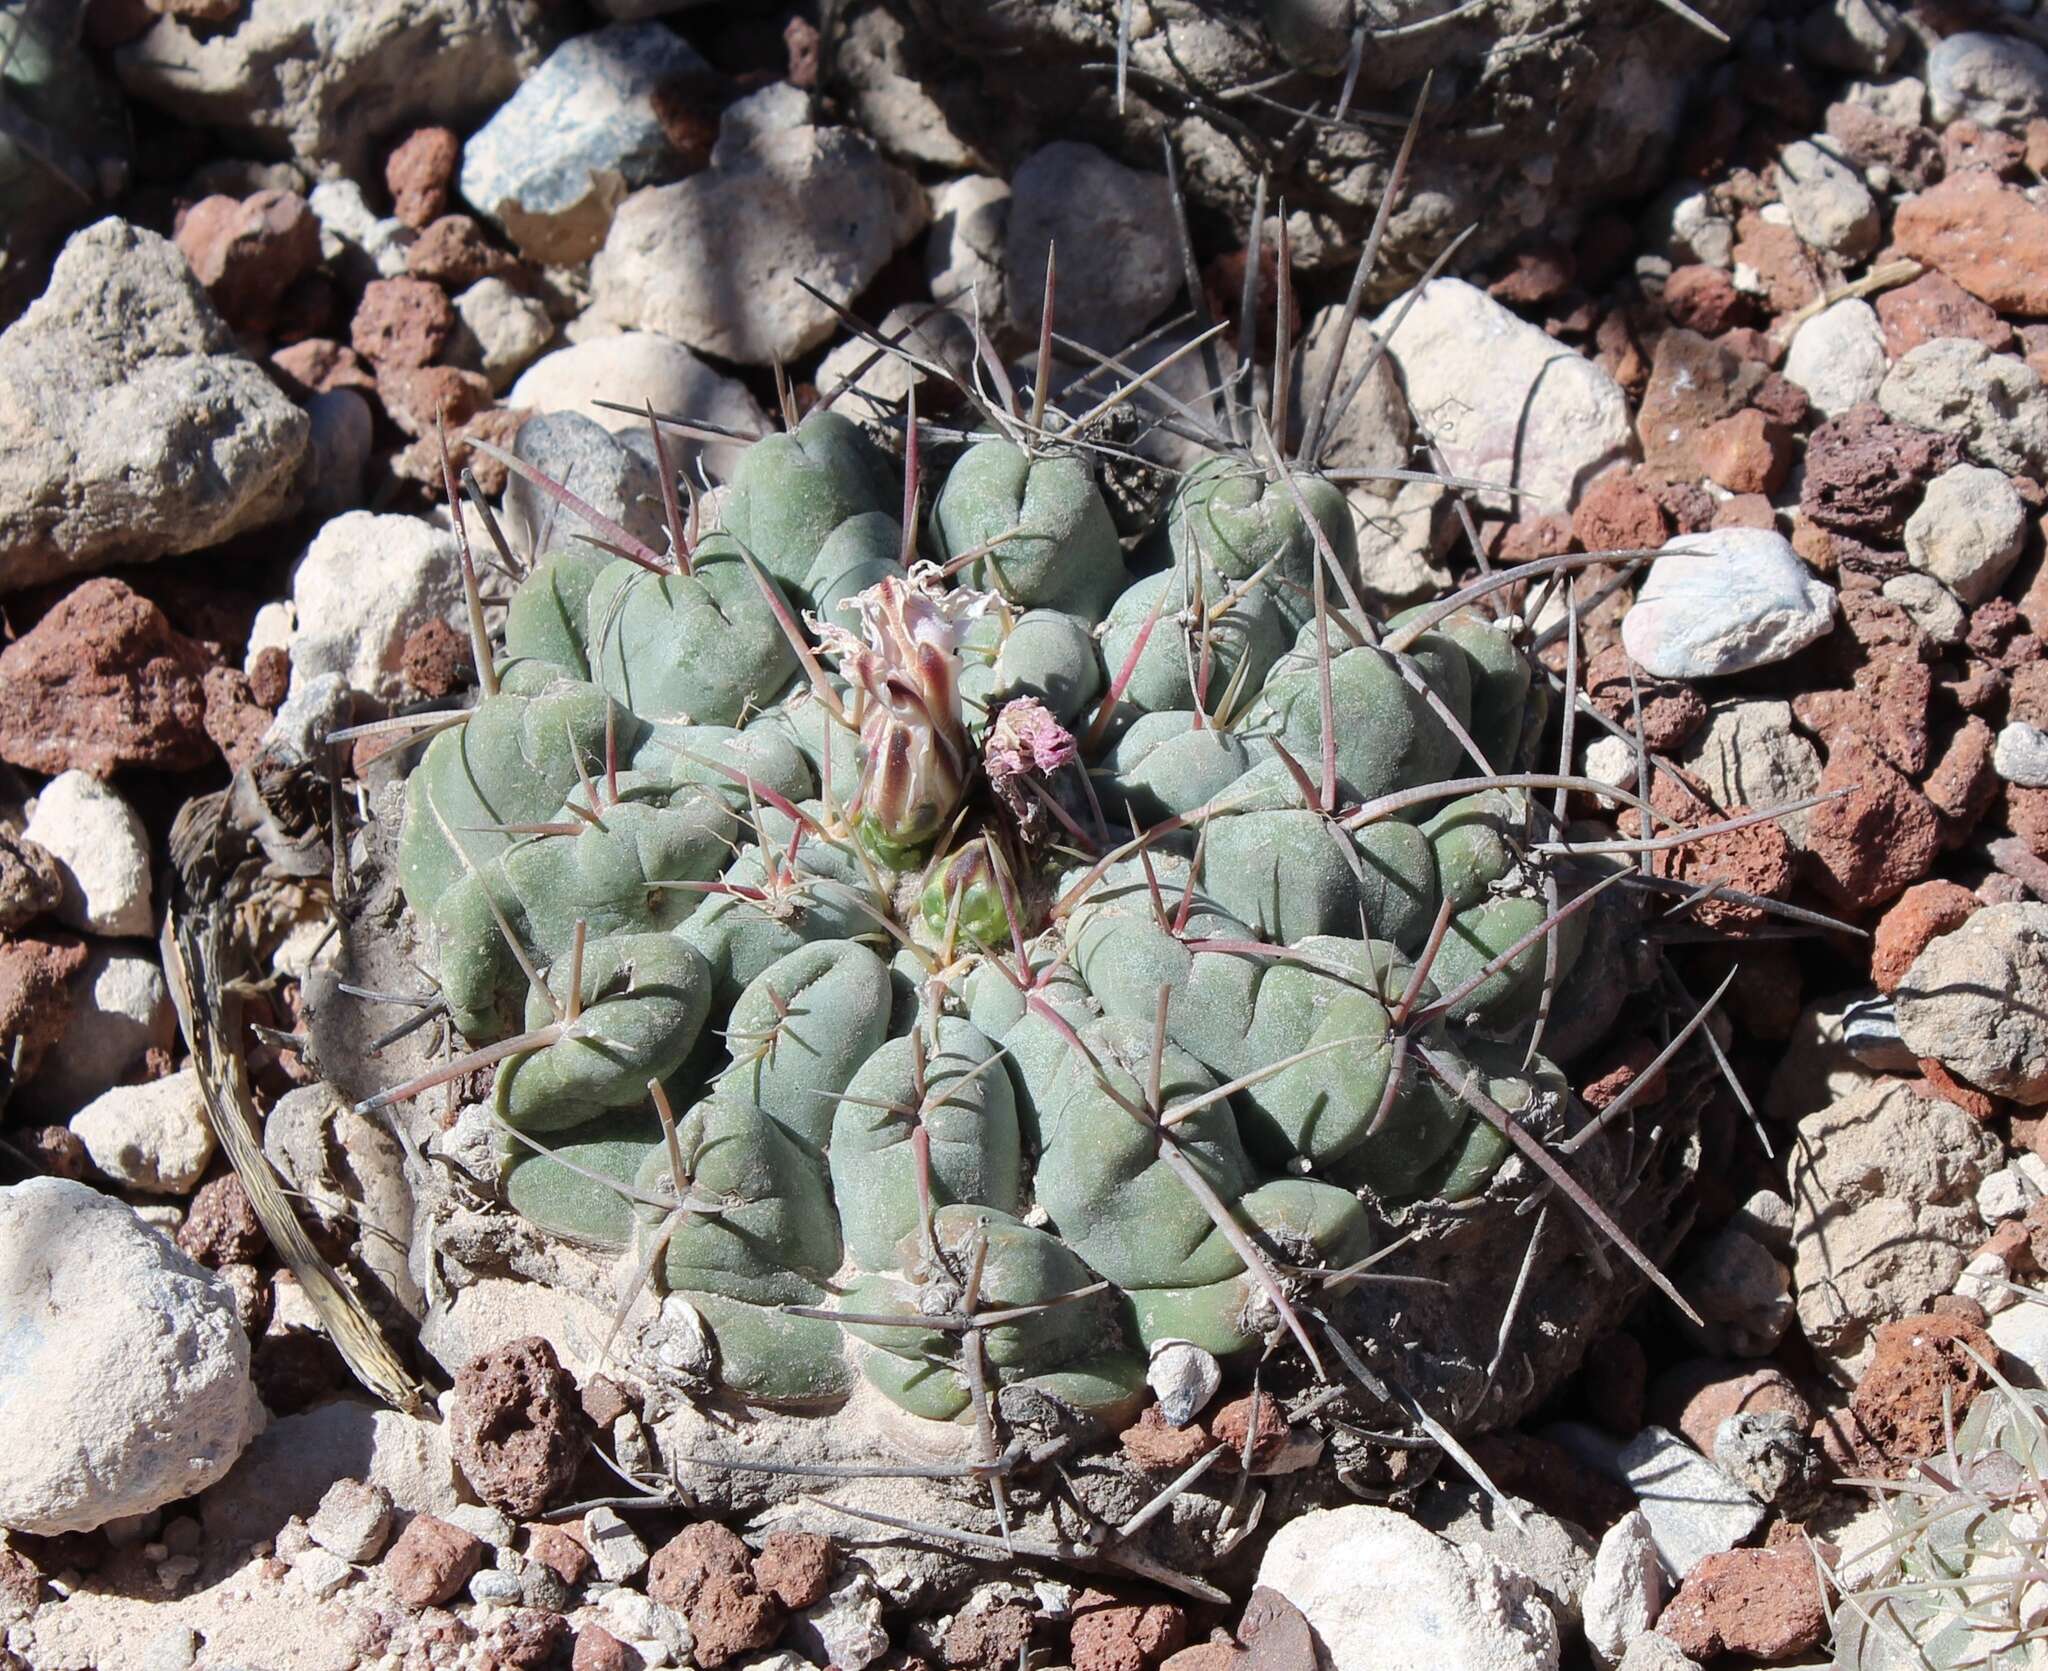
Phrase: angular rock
(1380,1590)
(129,427)
(1693,384)
(964,252)
(249,251)
(498,331)
(1506,403)
(1934,305)
(102,852)
(1763,1602)
(639,369)
(356,241)
(126,1375)
(1113,229)
(713,260)
(419,173)
(1626,1591)
(155,1137)
(554,162)
(1976,1000)
(1994,404)
(1694,1509)
(364,585)
(1969,531)
(1838,357)
(431,1561)
(1725,601)
(1993,80)
(1864,473)
(1749,754)
(1831,207)
(1987,236)
(353,1520)
(1884,1186)
(325,84)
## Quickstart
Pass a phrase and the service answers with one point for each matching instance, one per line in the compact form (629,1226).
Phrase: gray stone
(174,1648)
(1750,754)
(1694,1509)
(614,1546)
(492,1588)
(1505,402)
(2021,1334)
(1932,605)
(1184,1377)
(1994,403)
(845,1629)
(120,1009)
(1883,1187)
(498,331)
(713,260)
(612,472)
(889,103)
(343,430)
(1741,1292)
(878,383)
(1870,1033)
(1379,1590)
(1838,357)
(355,240)
(1997,81)
(327,84)
(1831,207)
(1860,36)
(155,1137)
(964,252)
(2021,755)
(124,1374)
(1554,1554)
(1651,1652)
(640,370)
(1723,602)
(298,1458)
(130,428)
(584,129)
(1119,262)
(321,1571)
(1976,1000)
(1373,431)
(365,584)
(353,1520)
(1626,1590)
(102,852)
(1684,223)
(1968,531)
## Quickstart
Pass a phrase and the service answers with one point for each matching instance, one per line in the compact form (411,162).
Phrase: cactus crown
(964,948)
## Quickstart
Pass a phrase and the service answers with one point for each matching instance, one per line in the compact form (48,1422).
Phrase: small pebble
(2021,755)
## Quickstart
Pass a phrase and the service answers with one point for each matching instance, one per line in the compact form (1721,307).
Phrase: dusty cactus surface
(943,961)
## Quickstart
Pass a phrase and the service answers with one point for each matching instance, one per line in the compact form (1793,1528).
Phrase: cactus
(955,954)
(1956,1581)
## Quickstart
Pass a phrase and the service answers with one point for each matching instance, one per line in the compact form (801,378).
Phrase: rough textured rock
(325,84)
(1976,1000)
(498,331)
(249,251)
(1969,531)
(1749,754)
(102,682)
(116,1010)
(1694,1509)
(102,853)
(1505,402)
(1113,227)
(1380,1590)
(1765,1602)
(517,1431)
(1864,473)
(584,129)
(1587,115)
(129,426)
(353,1520)
(363,587)
(155,1137)
(713,260)
(1994,404)
(1831,208)
(1902,934)
(431,1561)
(126,1373)
(1725,601)
(1994,80)
(1838,357)
(1626,1591)
(1884,1210)
(1922,1376)
(639,369)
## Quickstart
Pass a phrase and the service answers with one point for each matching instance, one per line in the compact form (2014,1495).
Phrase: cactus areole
(955,963)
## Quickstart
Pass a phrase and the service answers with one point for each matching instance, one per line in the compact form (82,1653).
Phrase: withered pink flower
(1025,742)
(904,665)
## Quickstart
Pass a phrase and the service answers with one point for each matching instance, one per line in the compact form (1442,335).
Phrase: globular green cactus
(953,963)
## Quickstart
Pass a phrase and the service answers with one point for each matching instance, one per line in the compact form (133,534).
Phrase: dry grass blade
(209,1012)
